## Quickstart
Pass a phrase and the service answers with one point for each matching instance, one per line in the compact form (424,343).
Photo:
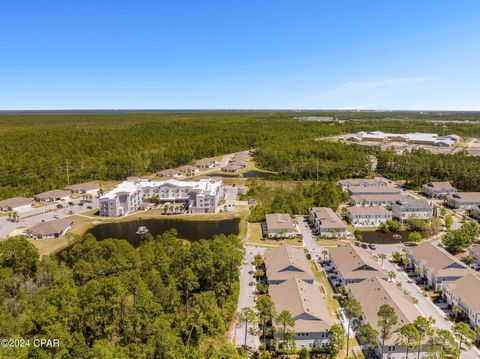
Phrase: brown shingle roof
(55,193)
(468,290)
(279,222)
(328,218)
(374,292)
(438,260)
(279,260)
(305,302)
(87,186)
(372,211)
(15,202)
(350,262)
(51,227)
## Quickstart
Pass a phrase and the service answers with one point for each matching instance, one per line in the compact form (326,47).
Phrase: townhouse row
(292,287)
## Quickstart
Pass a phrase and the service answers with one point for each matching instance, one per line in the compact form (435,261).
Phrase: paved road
(246,296)
(424,305)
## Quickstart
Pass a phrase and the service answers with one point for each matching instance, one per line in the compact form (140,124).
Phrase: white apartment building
(407,208)
(201,196)
(368,216)
(464,293)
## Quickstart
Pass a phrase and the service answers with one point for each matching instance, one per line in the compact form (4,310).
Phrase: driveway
(424,305)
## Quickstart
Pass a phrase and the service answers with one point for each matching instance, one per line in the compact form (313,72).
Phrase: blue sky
(398,54)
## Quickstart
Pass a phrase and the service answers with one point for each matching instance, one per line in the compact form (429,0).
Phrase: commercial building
(308,309)
(327,223)
(438,189)
(463,199)
(435,264)
(374,292)
(368,216)
(465,293)
(201,196)
(409,207)
(84,188)
(17,204)
(284,262)
(52,196)
(350,265)
(50,229)
(279,225)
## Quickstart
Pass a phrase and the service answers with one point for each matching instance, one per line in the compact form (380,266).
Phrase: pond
(191,230)
(378,237)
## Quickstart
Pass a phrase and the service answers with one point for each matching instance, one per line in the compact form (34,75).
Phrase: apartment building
(279,225)
(438,189)
(465,293)
(374,292)
(284,262)
(201,196)
(463,199)
(375,199)
(409,207)
(368,216)
(350,265)
(373,190)
(327,223)
(308,309)
(435,264)
(361,182)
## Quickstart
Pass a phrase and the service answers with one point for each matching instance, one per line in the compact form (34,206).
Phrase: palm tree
(325,253)
(391,276)
(382,256)
(284,320)
(456,310)
(353,309)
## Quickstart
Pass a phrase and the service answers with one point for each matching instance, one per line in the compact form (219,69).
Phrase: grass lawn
(332,304)
(50,246)
(323,242)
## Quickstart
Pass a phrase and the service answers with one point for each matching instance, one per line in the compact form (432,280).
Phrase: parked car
(364,245)
(59,206)
(71,212)
(56,216)
(89,207)
(251,284)
(71,203)
(357,243)
(372,246)
(80,204)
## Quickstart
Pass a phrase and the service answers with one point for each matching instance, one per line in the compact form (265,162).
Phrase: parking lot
(42,214)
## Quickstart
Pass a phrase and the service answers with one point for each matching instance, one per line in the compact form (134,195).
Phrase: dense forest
(107,299)
(35,148)
(296,200)
(419,167)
